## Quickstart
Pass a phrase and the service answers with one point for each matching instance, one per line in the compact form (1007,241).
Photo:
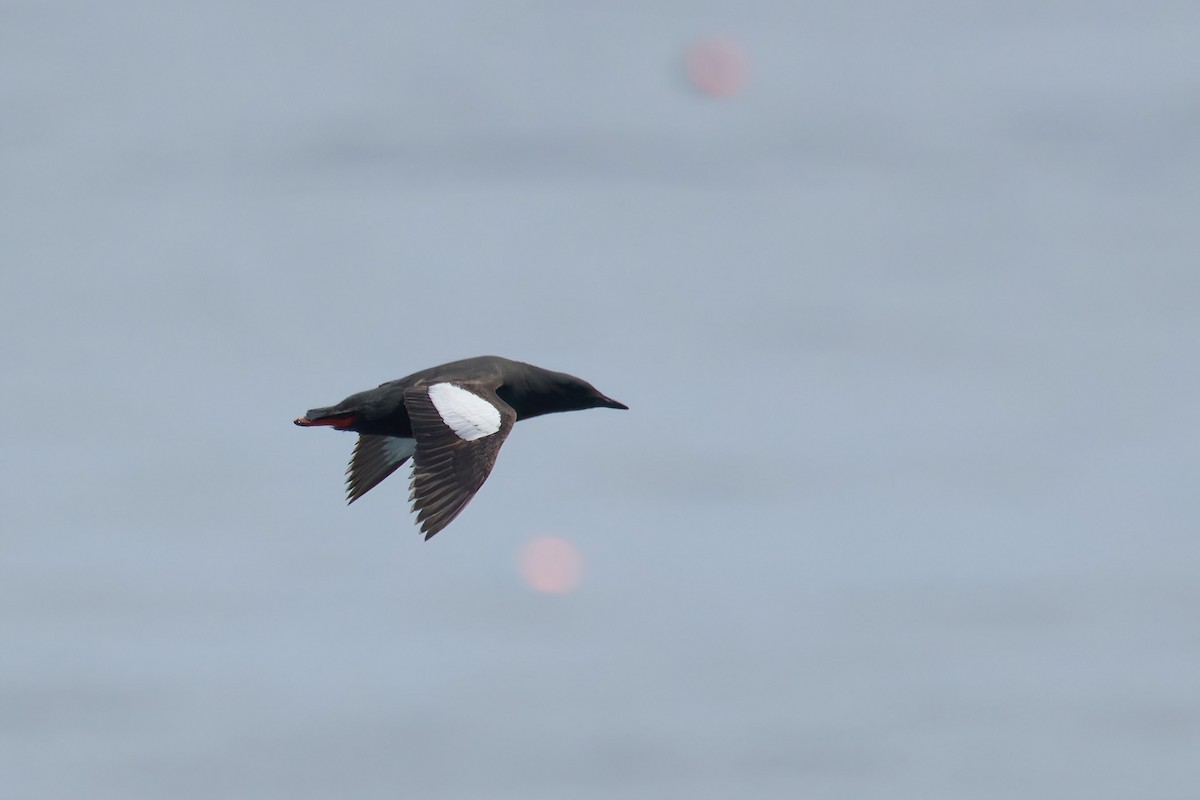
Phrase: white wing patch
(397,448)
(466,413)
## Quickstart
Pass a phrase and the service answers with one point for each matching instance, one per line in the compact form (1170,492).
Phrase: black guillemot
(451,420)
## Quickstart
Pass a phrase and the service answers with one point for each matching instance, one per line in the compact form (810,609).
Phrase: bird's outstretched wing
(459,428)
(374,458)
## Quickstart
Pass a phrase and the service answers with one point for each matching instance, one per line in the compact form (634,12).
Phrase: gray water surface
(905,504)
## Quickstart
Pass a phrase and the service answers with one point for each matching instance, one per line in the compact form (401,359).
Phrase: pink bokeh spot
(550,564)
(717,66)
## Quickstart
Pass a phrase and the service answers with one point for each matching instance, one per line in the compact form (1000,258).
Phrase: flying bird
(450,420)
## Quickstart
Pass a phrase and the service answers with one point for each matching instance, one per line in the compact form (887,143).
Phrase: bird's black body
(417,416)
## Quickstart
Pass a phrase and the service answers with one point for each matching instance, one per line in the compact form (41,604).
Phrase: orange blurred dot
(550,564)
(717,66)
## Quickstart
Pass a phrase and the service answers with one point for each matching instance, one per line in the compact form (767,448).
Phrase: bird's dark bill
(340,422)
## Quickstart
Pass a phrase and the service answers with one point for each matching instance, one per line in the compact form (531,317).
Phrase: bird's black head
(541,391)
(577,395)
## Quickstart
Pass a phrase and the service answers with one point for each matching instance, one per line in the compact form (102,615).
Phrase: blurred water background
(905,506)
